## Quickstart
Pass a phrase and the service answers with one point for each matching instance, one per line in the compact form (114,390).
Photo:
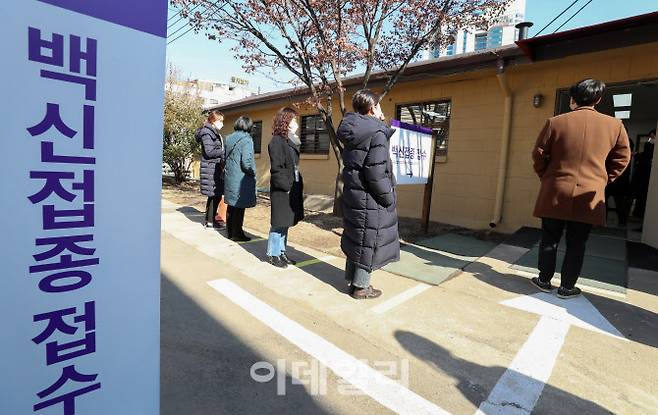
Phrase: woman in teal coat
(239,177)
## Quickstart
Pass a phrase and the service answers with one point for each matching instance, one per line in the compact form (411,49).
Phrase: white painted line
(384,390)
(575,312)
(400,298)
(520,387)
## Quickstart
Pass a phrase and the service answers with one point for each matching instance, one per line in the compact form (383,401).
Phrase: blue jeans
(359,277)
(276,242)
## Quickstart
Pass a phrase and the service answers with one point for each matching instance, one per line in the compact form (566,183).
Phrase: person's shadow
(323,271)
(475,381)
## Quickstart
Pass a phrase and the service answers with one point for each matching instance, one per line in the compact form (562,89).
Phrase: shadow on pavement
(205,368)
(635,323)
(475,381)
(325,272)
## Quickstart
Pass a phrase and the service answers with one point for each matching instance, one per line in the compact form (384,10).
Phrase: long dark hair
(282,121)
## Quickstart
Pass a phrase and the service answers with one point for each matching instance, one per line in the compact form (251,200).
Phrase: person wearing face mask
(239,177)
(286,185)
(212,165)
(370,237)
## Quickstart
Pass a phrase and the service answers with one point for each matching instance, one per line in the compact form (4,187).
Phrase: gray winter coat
(212,156)
(240,171)
(370,221)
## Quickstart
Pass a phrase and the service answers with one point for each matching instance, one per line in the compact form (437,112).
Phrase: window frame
(440,154)
(478,36)
(318,135)
(495,37)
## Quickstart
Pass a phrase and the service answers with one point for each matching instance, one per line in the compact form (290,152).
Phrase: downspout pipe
(504,144)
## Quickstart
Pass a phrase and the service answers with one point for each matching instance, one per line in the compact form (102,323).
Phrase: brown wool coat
(576,155)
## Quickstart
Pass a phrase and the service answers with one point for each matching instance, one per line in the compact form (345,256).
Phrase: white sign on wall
(81,135)
(411,152)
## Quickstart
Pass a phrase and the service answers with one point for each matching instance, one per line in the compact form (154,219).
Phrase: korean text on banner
(411,149)
(79,305)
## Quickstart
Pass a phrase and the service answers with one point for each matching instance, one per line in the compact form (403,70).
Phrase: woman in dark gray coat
(286,185)
(212,165)
(370,222)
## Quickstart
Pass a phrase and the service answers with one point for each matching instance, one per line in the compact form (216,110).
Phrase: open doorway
(636,104)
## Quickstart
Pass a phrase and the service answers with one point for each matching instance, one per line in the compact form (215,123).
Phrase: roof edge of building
(636,29)
(467,62)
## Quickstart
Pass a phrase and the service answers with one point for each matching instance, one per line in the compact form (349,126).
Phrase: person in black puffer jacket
(212,164)
(370,237)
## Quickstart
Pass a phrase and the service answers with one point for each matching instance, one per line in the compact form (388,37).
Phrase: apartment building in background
(214,93)
(502,32)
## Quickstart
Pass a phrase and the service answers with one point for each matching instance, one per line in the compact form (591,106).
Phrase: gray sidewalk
(459,339)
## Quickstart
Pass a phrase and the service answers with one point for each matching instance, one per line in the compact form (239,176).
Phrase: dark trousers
(211,208)
(577,235)
(621,206)
(640,205)
(234,221)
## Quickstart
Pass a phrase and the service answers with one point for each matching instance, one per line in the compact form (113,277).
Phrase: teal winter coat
(240,171)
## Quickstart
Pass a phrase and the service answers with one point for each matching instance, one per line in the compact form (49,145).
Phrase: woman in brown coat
(576,155)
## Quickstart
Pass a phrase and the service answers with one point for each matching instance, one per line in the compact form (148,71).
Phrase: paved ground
(224,310)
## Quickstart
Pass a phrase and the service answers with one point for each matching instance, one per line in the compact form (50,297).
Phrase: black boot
(285,258)
(277,262)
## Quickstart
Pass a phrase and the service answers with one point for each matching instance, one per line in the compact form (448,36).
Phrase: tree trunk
(338,191)
(338,150)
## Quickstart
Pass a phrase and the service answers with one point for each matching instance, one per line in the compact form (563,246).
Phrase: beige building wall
(614,66)
(465,185)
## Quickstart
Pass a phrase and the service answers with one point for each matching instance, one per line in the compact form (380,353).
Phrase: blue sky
(198,57)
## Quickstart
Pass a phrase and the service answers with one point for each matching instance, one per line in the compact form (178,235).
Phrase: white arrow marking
(576,312)
(520,387)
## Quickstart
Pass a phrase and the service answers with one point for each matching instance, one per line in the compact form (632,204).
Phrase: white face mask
(378,113)
(292,133)
(292,128)
(219,125)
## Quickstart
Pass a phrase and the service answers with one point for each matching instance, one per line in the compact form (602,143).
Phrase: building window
(480,41)
(495,37)
(450,50)
(314,135)
(434,115)
(257,135)
(465,44)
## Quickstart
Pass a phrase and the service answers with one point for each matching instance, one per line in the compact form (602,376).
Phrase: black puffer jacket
(370,236)
(212,157)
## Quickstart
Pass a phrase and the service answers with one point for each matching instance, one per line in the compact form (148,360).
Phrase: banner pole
(427,193)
